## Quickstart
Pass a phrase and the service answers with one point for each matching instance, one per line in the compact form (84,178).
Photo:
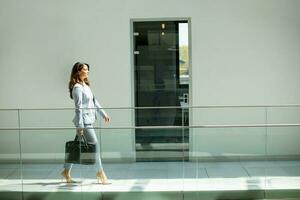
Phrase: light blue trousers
(91,138)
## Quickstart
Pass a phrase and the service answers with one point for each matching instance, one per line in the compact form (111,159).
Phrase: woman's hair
(74,78)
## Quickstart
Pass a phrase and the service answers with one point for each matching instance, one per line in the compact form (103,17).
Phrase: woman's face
(84,72)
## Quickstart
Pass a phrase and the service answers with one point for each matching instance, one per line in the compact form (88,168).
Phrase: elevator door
(160,81)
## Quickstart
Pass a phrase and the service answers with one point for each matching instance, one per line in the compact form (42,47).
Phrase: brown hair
(74,78)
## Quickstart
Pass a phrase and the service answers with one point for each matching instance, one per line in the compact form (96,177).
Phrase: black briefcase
(80,152)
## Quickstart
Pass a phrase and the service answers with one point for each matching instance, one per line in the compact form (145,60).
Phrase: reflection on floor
(156,176)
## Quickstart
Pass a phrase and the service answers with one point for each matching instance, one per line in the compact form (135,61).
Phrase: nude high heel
(66,175)
(102,179)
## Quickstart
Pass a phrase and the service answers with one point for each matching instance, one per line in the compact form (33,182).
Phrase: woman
(83,97)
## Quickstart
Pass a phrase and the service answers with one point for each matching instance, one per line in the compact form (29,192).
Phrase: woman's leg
(67,170)
(91,137)
(68,166)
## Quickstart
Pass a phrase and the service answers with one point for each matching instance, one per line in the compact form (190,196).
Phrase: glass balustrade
(216,152)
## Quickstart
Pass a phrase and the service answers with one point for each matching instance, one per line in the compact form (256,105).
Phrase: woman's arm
(77,96)
(101,111)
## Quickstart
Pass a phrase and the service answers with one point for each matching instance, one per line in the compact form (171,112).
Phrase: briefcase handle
(84,140)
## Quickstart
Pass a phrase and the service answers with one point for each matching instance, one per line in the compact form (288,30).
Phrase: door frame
(132,20)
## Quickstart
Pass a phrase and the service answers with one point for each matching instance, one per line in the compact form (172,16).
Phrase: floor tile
(4,173)
(226,172)
(157,176)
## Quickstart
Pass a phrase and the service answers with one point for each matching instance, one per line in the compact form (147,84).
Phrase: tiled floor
(156,176)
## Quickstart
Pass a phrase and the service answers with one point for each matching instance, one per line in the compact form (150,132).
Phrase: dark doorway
(161,80)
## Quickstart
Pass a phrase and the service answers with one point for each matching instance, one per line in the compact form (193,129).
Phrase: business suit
(86,109)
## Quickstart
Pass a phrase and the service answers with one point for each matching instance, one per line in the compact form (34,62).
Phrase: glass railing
(167,152)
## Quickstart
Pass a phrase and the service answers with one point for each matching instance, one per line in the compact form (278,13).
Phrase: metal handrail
(166,107)
(160,127)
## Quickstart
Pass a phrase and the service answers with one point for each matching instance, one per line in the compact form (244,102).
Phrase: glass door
(161,79)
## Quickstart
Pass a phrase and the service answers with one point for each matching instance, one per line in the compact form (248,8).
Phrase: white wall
(244,52)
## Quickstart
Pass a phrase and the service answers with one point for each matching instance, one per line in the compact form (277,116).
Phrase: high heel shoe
(102,179)
(67,177)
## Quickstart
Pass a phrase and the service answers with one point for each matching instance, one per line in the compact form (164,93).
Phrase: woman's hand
(107,119)
(80,131)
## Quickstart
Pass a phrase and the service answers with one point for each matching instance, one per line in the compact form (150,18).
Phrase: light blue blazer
(86,106)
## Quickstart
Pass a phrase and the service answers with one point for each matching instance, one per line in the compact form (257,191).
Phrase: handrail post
(20,153)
